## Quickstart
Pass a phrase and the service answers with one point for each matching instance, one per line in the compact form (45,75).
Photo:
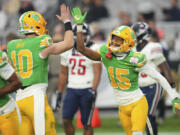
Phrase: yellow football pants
(9,123)
(26,107)
(133,117)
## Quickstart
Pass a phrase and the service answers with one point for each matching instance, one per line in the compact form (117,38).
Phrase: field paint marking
(109,133)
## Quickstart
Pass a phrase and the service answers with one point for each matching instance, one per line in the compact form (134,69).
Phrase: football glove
(58,100)
(176,104)
(93,92)
(77,16)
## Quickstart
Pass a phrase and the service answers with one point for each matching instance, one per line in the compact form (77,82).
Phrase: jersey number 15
(122,81)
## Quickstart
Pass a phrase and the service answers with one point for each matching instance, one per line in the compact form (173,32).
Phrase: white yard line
(109,133)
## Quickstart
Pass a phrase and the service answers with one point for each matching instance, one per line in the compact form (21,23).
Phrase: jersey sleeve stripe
(142,63)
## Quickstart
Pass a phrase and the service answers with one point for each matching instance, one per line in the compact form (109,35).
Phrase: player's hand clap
(65,14)
(77,16)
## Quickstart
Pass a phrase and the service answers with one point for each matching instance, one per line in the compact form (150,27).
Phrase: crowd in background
(103,15)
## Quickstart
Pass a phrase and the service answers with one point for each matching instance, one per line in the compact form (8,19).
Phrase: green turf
(113,125)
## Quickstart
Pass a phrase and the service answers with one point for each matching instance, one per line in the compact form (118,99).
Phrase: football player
(154,55)
(123,66)
(9,82)
(29,57)
(82,75)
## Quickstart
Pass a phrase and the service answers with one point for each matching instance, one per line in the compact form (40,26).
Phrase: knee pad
(137,133)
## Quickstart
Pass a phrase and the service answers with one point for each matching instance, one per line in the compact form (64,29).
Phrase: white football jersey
(80,69)
(6,69)
(155,57)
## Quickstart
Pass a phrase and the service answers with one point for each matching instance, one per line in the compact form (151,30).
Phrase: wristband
(79,28)
(67,26)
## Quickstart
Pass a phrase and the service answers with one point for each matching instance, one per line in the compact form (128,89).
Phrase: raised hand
(65,13)
(77,16)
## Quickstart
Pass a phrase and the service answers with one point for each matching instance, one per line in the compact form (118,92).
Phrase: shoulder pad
(138,59)
(46,41)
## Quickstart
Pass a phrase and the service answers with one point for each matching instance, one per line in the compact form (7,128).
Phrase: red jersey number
(143,75)
(79,64)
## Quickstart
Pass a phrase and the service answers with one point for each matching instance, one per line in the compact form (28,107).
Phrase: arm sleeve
(63,59)
(159,60)
(6,71)
(156,55)
(158,77)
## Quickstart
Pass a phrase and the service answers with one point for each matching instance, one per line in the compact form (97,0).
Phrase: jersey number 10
(25,55)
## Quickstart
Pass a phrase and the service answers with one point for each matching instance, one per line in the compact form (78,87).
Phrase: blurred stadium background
(163,16)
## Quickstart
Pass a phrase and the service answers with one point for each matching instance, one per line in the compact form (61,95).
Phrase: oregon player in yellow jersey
(29,57)
(9,82)
(123,66)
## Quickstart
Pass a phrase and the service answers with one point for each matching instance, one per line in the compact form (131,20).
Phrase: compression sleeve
(147,69)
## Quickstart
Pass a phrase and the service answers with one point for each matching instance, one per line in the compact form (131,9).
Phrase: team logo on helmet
(85,30)
(32,22)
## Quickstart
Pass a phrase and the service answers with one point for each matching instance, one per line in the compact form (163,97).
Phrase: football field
(112,126)
(124,133)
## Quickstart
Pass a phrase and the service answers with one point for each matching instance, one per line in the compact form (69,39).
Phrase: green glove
(77,16)
(176,104)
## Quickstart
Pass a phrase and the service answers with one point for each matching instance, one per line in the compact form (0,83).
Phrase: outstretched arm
(157,76)
(91,54)
(175,97)
(164,68)
(68,42)
(79,19)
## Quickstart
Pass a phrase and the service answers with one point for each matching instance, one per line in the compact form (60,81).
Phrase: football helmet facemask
(85,31)
(128,40)
(142,31)
(32,22)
